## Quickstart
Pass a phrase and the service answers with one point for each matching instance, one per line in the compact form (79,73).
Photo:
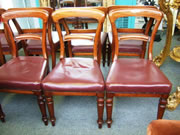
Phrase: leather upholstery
(127,45)
(23,72)
(5,45)
(164,127)
(36,45)
(76,75)
(85,45)
(136,75)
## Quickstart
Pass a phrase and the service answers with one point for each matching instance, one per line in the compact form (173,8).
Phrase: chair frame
(59,15)
(147,12)
(39,13)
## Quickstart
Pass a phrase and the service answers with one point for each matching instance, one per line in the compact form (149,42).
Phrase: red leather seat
(75,75)
(136,76)
(25,73)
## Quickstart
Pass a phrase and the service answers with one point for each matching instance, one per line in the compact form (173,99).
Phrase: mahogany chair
(34,47)
(23,74)
(5,46)
(76,76)
(2,115)
(85,47)
(132,48)
(136,77)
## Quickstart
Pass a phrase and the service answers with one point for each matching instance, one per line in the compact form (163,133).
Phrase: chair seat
(24,73)
(136,75)
(85,45)
(129,46)
(5,45)
(36,45)
(76,75)
(132,48)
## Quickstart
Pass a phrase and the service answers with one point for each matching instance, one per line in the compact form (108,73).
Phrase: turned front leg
(50,104)
(162,106)
(100,108)
(42,106)
(109,106)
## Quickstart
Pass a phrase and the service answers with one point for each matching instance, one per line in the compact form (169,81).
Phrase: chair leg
(2,115)
(69,49)
(100,108)
(50,104)
(109,107)
(2,59)
(99,55)
(86,25)
(162,106)
(42,106)
(109,54)
(53,55)
(104,54)
(142,55)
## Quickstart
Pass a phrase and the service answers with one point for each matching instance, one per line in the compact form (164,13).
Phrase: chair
(34,47)
(164,127)
(82,47)
(136,77)
(5,46)
(2,115)
(76,76)
(23,74)
(128,48)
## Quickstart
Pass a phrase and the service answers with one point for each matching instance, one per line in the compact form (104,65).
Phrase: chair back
(94,13)
(20,13)
(49,10)
(136,11)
